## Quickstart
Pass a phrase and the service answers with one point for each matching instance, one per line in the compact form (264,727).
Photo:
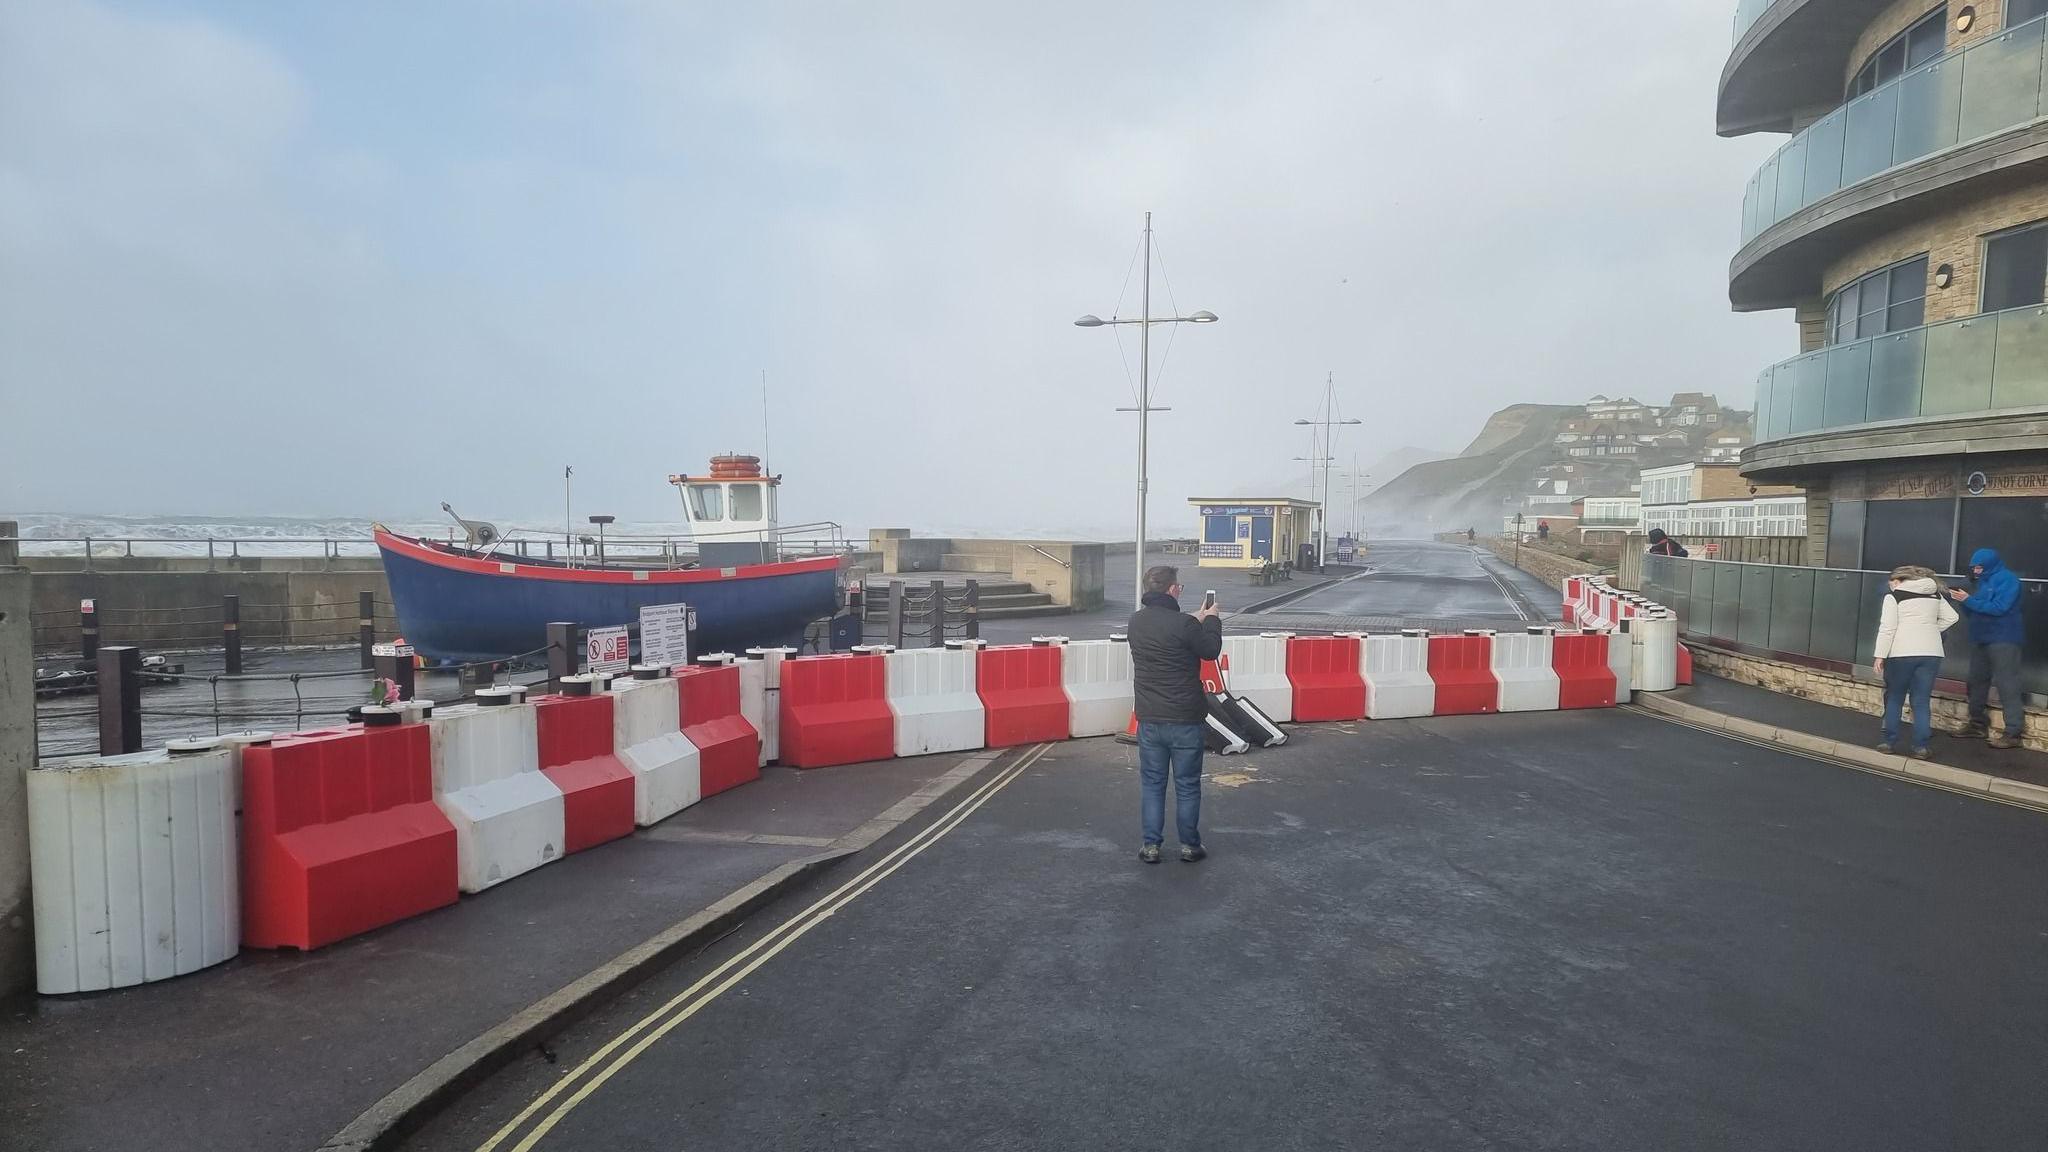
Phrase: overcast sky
(357,259)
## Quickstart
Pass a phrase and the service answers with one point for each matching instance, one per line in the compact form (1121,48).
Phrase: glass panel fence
(1809,378)
(2020,368)
(1763,406)
(1826,614)
(1848,386)
(1963,96)
(1958,373)
(1897,361)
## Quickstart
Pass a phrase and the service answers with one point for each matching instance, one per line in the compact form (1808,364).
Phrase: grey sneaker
(1922,753)
(1149,853)
(1884,746)
(1971,731)
(2003,740)
(1189,853)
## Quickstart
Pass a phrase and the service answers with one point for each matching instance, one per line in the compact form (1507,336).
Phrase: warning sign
(665,635)
(607,650)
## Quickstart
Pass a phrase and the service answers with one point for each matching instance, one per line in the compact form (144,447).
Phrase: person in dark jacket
(1996,634)
(1662,545)
(1167,650)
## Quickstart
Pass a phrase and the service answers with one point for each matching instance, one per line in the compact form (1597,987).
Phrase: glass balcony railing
(1984,363)
(1747,13)
(1951,100)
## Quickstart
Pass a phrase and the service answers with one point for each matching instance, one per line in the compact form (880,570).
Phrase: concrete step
(970,562)
(1015,611)
(1025,599)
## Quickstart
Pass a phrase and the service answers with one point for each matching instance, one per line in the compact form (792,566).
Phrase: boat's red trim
(427,554)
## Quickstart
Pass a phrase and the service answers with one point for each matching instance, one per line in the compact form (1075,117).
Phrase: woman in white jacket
(1909,650)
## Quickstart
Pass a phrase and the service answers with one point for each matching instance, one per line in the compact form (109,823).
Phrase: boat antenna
(765,469)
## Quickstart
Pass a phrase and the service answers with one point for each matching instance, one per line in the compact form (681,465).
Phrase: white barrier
(1621,660)
(1096,676)
(754,706)
(507,815)
(932,693)
(133,863)
(1655,643)
(1522,664)
(770,725)
(1396,671)
(1258,672)
(646,733)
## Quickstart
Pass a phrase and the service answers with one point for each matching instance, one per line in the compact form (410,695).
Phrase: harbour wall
(17,754)
(175,602)
(1068,571)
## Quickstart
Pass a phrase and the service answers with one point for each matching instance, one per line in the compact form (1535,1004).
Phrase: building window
(1219,529)
(1887,300)
(2015,268)
(1926,39)
(2021,11)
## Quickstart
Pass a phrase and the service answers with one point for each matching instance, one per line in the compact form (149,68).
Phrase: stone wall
(181,609)
(17,754)
(1842,691)
(1548,567)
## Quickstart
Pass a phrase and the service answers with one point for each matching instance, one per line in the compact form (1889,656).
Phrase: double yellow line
(607,1061)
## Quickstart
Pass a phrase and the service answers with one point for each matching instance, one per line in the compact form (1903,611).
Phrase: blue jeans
(1915,675)
(1180,747)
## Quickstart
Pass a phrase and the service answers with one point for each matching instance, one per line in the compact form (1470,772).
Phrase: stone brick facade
(1834,688)
(1955,237)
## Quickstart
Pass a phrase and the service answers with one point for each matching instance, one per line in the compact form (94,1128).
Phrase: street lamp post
(1144,320)
(1328,421)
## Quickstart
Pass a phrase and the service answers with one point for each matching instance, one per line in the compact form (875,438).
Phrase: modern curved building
(1904,221)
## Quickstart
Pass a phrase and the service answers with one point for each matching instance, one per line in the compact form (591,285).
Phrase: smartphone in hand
(1209,600)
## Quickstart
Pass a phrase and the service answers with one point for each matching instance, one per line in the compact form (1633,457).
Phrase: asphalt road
(1419,584)
(1567,930)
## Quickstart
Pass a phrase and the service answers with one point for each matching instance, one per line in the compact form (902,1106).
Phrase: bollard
(231,632)
(88,632)
(973,613)
(895,633)
(395,663)
(937,639)
(120,688)
(564,653)
(366,626)
(474,677)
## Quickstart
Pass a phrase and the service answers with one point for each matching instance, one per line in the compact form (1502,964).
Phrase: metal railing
(926,616)
(1953,99)
(1821,617)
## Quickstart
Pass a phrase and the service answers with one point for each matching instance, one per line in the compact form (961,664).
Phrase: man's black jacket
(1167,650)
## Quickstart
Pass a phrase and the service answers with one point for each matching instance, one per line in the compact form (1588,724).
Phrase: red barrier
(1462,667)
(1684,664)
(1327,678)
(340,834)
(835,710)
(708,707)
(575,735)
(1583,678)
(1022,697)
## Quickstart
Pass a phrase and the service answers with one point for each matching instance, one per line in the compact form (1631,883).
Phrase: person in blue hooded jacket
(1996,634)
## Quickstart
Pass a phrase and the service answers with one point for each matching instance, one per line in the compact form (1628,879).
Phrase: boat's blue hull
(460,608)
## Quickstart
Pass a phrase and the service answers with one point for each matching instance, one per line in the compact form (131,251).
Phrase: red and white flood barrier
(304,839)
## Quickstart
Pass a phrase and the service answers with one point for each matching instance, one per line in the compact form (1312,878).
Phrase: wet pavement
(1588,930)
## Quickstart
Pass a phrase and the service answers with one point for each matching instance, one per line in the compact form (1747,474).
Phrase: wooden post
(895,634)
(231,632)
(973,629)
(565,655)
(88,632)
(366,627)
(120,689)
(938,616)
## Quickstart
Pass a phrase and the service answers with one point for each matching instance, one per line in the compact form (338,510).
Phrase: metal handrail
(1047,555)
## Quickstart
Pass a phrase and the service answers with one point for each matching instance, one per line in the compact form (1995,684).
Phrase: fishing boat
(490,598)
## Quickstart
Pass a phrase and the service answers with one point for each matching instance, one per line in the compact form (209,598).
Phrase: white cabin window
(746,503)
(707,502)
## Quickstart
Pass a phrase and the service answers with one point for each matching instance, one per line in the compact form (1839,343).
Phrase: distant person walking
(1909,651)
(1167,650)
(1996,634)
(1662,545)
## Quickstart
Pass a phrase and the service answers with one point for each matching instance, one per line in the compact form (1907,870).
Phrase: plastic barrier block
(1022,691)
(931,692)
(1397,682)
(1621,660)
(1656,653)
(755,704)
(1324,673)
(1462,669)
(1096,677)
(1583,678)
(507,815)
(1258,673)
(728,748)
(835,710)
(770,722)
(340,834)
(647,731)
(1684,655)
(1522,665)
(575,734)
(132,868)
